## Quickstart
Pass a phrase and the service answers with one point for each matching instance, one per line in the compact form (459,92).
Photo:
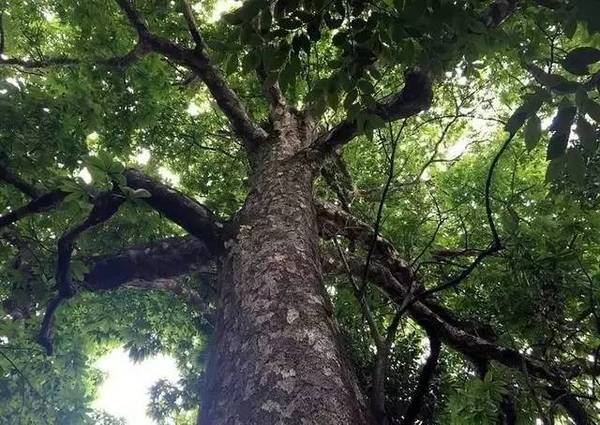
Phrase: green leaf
(555,170)
(251,61)
(127,191)
(588,136)
(74,197)
(557,145)
(233,18)
(553,82)
(333,99)
(592,109)
(588,12)
(116,168)
(350,98)
(245,13)
(231,64)
(287,76)
(141,193)
(578,60)
(569,25)
(576,166)
(533,132)
(563,120)
(365,86)
(289,23)
(363,36)
(301,42)
(106,159)
(516,120)
(333,22)
(375,121)
(319,105)
(96,162)
(532,102)
(78,270)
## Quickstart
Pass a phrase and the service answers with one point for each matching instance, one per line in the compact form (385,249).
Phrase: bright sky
(124,392)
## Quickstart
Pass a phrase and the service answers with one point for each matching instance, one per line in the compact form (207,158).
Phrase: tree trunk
(276,356)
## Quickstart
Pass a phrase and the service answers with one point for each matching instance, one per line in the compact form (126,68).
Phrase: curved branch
(454,336)
(188,213)
(188,14)
(105,206)
(394,277)
(416,96)
(570,404)
(43,203)
(45,335)
(427,374)
(496,244)
(198,61)
(7,175)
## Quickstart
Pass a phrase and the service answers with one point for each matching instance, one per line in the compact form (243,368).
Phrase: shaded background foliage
(539,294)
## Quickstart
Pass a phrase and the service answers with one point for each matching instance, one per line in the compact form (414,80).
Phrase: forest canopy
(452,191)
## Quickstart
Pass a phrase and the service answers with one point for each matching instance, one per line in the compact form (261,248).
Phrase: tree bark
(276,357)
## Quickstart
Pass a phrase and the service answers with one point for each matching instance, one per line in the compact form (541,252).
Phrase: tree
(306,122)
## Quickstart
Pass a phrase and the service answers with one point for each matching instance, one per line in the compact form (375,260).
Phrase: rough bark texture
(164,259)
(276,357)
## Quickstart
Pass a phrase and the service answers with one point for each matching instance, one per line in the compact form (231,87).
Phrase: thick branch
(416,96)
(165,259)
(43,203)
(471,340)
(199,62)
(427,373)
(192,216)
(11,178)
(105,206)
(571,405)
(394,277)
(334,221)
(452,335)
(153,266)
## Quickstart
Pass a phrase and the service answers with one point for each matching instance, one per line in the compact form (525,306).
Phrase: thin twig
(495,245)
(390,176)
(26,380)
(361,300)
(188,13)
